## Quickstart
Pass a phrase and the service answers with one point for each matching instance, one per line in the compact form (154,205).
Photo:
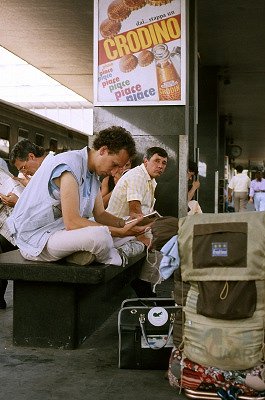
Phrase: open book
(7,185)
(147,219)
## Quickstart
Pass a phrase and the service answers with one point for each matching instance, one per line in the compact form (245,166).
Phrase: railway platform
(89,372)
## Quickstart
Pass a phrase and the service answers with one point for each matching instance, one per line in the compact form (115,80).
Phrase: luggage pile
(219,340)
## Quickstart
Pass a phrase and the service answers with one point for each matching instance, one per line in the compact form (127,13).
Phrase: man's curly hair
(115,138)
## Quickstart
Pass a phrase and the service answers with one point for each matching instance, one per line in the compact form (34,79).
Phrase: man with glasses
(7,201)
(52,218)
(27,158)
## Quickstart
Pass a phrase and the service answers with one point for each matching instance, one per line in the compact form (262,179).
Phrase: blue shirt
(37,214)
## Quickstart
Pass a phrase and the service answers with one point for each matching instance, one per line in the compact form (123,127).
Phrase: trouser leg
(257,201)
(236,201)
(95,239)
(262,202)
(243,199)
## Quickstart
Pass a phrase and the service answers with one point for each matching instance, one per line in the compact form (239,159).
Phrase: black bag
(145,333)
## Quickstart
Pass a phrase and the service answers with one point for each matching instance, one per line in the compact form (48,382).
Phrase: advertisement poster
(139,56)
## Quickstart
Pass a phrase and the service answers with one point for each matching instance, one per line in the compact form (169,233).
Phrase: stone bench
(59,304)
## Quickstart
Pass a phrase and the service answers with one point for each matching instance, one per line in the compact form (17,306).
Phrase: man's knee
(103,239)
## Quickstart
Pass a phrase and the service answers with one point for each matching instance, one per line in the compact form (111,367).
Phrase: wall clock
(234,151)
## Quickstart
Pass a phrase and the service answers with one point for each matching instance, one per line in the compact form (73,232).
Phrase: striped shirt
(136,184)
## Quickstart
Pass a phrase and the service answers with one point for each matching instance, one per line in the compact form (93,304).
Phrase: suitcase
(145,332)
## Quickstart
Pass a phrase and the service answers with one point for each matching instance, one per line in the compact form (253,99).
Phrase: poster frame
(114,103)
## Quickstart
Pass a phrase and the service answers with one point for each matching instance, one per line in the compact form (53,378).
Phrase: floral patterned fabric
(184,373)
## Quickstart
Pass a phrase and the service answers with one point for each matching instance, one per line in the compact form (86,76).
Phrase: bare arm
(105,218)
(105,191)
(70,203)
(191,192)
(135,209)
(229,195)
(116,225)
(73,220)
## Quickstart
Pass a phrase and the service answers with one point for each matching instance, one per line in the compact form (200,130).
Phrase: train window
(39,139)
(22,134)
(53,145)
(4,140)
(4,131)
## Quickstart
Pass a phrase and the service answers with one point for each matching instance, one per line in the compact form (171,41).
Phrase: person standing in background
(257,192)
(239,186)
(192,173)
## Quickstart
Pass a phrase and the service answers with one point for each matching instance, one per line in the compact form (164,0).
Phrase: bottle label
(169,90)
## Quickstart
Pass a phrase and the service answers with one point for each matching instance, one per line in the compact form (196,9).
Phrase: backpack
(222,257)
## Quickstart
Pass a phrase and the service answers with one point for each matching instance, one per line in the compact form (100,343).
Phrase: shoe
(143,289)
(233,392)
(130,249)
(222,393)
(3,285)
(81,258)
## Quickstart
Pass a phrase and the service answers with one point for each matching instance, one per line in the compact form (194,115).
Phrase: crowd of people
(84,200)
(242,190)
(94,201)
(88,200)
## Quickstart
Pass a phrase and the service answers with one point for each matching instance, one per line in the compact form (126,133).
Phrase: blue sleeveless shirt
(36,216)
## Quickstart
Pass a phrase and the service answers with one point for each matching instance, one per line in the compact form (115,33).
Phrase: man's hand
(135,215)
(9,200)
(24,181)
(132,229)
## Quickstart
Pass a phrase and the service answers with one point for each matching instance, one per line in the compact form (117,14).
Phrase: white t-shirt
(239,183)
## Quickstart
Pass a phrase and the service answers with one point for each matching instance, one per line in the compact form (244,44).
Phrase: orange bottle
(168,80)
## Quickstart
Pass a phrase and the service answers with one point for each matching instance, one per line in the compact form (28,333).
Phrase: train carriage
(17,123)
